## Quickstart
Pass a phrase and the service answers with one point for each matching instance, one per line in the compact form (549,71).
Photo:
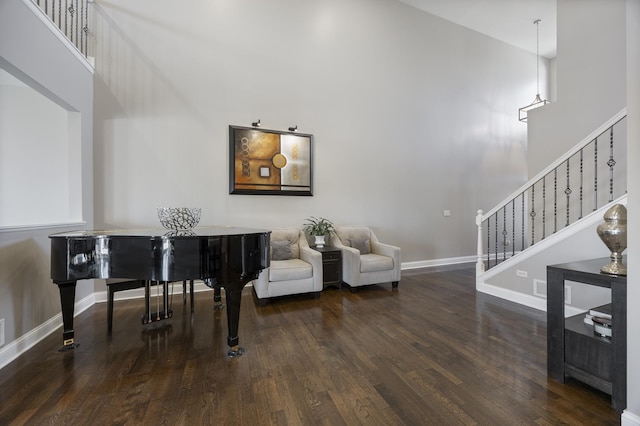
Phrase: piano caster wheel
(235,352)
(218,306)
(68,347)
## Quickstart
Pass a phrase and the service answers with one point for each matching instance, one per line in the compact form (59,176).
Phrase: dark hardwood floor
(432,351)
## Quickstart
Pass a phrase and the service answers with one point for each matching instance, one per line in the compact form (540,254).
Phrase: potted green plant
(318,227)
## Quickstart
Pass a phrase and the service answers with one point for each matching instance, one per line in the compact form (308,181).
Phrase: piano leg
(234,297)
(191,294)
(146,317)
(217,297)
(67,301)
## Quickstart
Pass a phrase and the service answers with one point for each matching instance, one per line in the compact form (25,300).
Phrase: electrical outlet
(446,213)
(1,331)
(522,274)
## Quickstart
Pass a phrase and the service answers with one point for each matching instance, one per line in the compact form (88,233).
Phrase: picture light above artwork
(270,162)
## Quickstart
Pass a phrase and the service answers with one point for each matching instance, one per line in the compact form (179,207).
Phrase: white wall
(556,120)
(28,297)
(591,81)
(46,147)
(632,414)
(411,114)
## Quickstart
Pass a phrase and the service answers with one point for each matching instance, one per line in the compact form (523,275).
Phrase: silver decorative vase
(613,233)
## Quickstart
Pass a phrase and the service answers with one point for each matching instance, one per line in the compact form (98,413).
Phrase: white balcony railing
(71,17)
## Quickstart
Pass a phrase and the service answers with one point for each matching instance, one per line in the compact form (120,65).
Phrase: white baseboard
(629,419)
(538,303)
(438,262)
(513,296)
(25,342)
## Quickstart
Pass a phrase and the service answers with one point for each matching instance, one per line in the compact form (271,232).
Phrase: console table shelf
(573,350)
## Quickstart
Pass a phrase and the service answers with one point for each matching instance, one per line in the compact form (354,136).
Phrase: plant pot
(319,241)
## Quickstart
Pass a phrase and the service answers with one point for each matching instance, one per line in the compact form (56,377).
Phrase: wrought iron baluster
(555,200)
(567,192)
(81,28)
(533,215)
(513,227)
(71,12)
(496,216)
(60,14)
(595,174)
(523,221)
(581,181)
(504,232)
(488,243)
(85,28)
(77,16)
(544,207)
(611,163)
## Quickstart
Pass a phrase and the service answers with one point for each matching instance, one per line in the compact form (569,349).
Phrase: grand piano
(229,257)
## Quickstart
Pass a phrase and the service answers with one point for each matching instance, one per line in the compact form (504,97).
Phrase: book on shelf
(603,311)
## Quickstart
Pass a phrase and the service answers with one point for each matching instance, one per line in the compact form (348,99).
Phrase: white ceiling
(508,20)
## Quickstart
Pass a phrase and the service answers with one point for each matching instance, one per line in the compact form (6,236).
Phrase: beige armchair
(365,260)
(295,267)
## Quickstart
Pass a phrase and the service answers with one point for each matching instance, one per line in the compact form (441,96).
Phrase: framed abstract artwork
(270,162)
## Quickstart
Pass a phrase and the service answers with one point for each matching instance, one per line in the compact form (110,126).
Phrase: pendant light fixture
(538,101)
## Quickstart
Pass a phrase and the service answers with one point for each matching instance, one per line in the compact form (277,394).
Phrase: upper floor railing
(590,175)
(72,18)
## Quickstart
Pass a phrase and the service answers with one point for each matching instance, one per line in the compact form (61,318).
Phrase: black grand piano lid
(203,231)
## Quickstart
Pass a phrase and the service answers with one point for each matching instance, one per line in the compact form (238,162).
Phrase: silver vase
(613,232)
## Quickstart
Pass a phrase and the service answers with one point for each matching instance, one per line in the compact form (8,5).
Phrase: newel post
(480,262)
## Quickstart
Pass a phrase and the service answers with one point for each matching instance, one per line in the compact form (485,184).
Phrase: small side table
(331,266)
(572,349)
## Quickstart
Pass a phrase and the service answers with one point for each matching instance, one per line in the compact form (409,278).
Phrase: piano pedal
(157,316)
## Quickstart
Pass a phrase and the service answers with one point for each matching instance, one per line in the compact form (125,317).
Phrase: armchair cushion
(281,250)
(375,262)
(357,238)
(283,236)
(363,245)
(292,269)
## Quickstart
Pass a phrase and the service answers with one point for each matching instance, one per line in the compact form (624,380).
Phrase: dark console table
(573,350)
(331,266)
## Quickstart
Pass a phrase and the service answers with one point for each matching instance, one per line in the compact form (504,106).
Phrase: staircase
(568,196)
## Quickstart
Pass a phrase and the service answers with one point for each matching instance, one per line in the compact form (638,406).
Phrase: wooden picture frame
(270,162)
